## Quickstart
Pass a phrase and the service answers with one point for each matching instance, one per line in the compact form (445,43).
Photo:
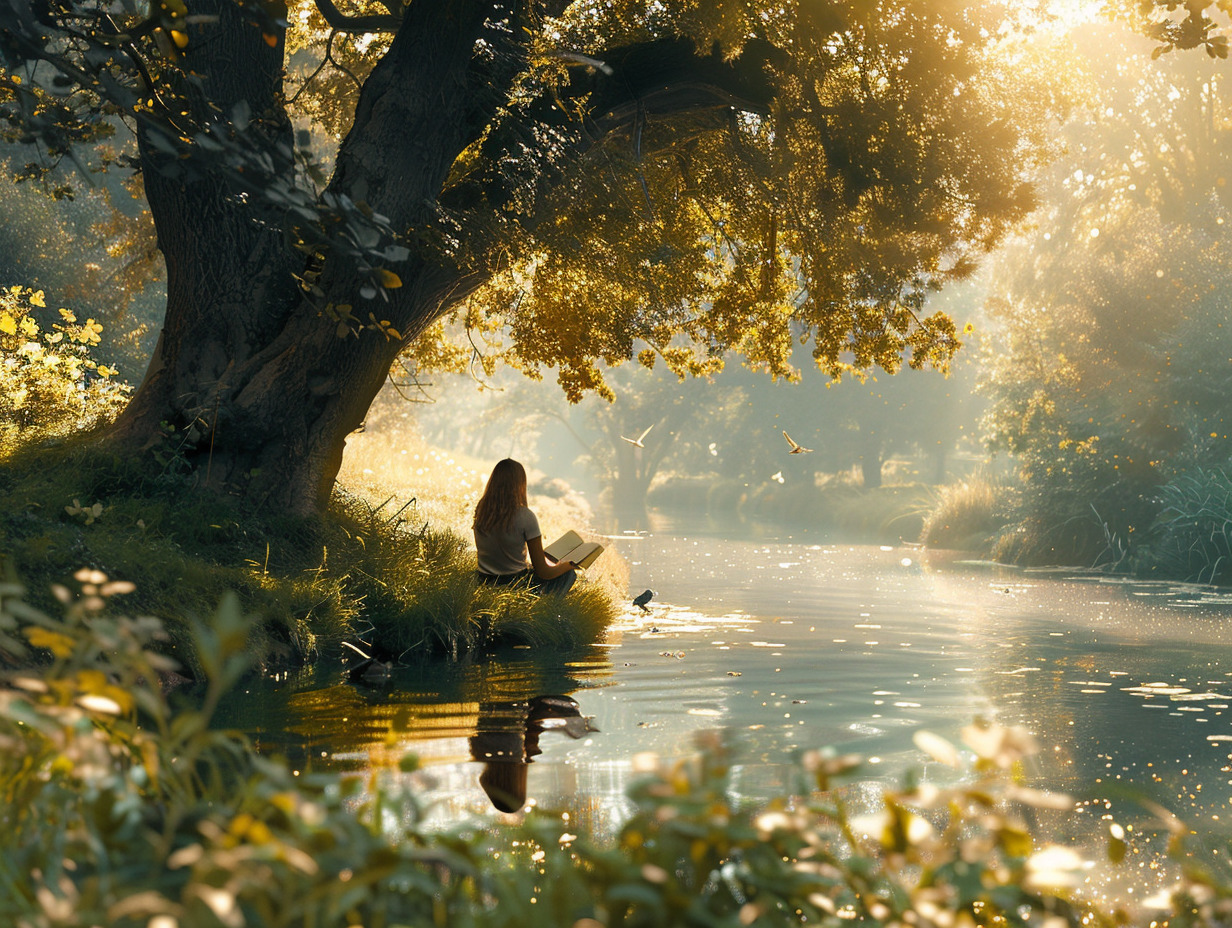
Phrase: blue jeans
(557,586)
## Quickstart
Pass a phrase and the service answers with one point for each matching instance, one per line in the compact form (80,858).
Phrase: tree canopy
(603,181)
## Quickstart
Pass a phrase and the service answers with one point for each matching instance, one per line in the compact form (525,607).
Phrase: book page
(585,555)
(560,548)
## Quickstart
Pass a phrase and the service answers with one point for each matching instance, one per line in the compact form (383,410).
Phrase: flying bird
(796,448)
(638,441)
(641,599)
(778,478)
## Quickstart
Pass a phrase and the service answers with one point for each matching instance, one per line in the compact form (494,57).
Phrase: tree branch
(659,78)
(374,22)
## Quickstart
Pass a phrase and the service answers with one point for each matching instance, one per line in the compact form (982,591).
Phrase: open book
(570,547)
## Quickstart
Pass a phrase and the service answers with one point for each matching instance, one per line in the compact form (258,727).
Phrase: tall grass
(967,516)
(421,595)
(1192,535)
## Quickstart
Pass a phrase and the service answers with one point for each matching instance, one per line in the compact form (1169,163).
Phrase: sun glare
(1063,15)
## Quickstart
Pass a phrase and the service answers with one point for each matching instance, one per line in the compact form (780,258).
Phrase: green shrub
(1192,535)
(1079,524)
(119,810)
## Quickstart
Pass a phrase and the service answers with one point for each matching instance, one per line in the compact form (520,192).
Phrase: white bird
(638,441)
(796,448)
(778,477)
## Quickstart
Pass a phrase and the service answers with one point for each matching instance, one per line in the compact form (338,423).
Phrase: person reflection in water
(507,741)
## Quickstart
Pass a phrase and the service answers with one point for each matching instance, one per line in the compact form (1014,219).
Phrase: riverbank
(887,514)
(388,570)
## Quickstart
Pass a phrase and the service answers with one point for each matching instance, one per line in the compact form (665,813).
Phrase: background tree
(93,247)
(1111,376)
(590,175)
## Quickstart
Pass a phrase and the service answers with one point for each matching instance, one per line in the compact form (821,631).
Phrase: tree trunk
(941,457)
(250,381)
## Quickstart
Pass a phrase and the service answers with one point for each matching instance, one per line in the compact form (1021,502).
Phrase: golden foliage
(896,151)
(49,384)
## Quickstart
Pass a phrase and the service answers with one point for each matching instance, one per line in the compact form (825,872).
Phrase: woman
(506,531)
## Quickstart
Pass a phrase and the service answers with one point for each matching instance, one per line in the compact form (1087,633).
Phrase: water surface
(790,644)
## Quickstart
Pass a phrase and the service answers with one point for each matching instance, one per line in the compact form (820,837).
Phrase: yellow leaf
(179,38)
(58,644)
(389,279)
(7,325)
(36,298)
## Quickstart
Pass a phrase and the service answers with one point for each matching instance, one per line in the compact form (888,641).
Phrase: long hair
(504,494)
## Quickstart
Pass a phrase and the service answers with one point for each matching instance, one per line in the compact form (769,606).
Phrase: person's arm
(539,560)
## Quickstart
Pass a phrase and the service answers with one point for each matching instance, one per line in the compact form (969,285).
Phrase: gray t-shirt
(505,552)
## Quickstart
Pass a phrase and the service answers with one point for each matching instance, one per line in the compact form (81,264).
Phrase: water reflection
(506,740)
(332,718)
(800,643)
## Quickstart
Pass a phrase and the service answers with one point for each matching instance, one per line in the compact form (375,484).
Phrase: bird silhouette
(641,599)
(795,447)
(370,672)
(638,441)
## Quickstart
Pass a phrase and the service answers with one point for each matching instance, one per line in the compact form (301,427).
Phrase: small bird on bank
(642,598)
(637,442)
(795,446)
(370,672)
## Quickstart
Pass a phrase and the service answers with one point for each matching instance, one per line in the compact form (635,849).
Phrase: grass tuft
(968,515)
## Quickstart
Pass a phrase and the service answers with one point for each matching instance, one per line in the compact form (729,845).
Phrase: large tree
(608,180)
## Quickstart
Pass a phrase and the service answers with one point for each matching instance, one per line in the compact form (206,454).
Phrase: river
(789,643)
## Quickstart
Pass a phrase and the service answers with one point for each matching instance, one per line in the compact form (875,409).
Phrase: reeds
(1192,535)
(967,515)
